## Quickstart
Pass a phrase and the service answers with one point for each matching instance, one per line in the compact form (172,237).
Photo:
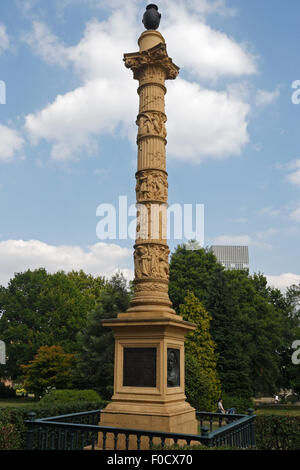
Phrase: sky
(68,133)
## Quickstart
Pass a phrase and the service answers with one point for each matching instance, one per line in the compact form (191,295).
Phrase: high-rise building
(232,257)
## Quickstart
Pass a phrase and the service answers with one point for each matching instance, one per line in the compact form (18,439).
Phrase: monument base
(149,378)
(172,417)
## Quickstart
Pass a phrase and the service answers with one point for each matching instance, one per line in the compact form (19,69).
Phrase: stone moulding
(157,56)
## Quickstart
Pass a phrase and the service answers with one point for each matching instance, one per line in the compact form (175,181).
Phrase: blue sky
(67,129)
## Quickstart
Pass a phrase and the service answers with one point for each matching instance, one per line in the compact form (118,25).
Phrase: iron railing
(78,431)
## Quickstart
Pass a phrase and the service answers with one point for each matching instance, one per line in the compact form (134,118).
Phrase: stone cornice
(157,56)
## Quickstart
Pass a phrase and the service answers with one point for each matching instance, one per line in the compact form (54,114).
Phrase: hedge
(275,432)
(241,404)
(13,419)
(56,396)
(272,432)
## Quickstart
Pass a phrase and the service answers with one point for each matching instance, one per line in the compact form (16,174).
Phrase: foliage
(250,324)
(15,417)
(278,432)
(290,373)
(9,439)
(51,367)
(241,404)
(95,360)
(57,396)
(202,385)
(42,309)
(6,392)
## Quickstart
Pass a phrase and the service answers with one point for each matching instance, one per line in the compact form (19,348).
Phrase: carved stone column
(151,66)
(149,337)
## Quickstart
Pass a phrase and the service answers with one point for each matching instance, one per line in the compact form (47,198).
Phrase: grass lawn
(279,411)
(15,402)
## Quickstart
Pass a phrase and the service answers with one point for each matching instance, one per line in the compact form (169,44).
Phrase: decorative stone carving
(173,368)
(151,123)
(157,56)
(150,287)
(151,185)
(151,261)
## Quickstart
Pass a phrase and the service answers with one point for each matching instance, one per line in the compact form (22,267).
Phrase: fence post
(252,428)
(204,433)
(30,431)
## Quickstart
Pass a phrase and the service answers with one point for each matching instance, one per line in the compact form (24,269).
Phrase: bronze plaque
(173,368)
(139,367)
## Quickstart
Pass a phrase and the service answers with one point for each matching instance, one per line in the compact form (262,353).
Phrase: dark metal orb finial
(151,18)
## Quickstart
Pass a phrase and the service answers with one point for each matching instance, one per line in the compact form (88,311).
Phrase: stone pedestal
(153,395)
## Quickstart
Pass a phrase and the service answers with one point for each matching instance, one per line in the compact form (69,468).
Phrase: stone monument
(149,336)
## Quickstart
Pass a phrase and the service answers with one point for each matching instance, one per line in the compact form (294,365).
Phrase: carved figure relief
(157,160)
(151,261)
(173,368)
(151,123)
(151,185)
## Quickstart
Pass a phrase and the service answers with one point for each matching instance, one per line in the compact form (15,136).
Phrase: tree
(290,372)
(202,384)
(40,309)
(50,368)
(95,367)
(249,320)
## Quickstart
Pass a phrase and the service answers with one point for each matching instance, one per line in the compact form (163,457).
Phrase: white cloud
(72,122)
(203,51)
(101,259)
(204,122)
(294,177)
(10,143)
(4,39)
(201,122)
(295,214)
(283,281)
(258,239)
(233,240)
(269,211)
(264,97)
(46,44)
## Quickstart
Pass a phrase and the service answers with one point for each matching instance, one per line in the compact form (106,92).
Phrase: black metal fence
(80,431)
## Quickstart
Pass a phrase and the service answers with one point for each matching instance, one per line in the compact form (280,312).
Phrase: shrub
(16,416)
(241,404)
(6,392)
(57,396)
(277,432)
(10,439)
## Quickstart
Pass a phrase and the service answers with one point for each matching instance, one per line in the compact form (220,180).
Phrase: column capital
(157,56)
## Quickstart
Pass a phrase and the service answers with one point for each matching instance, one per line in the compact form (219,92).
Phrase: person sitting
(220,406)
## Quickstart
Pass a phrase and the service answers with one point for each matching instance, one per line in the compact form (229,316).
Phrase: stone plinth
(162,407)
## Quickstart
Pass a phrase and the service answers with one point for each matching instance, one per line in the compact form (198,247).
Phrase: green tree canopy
(249,320)
(41,309)
(202,385)
(50,368)
(95,367)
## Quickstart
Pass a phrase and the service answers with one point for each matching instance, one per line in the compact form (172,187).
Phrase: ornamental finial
(151,18)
